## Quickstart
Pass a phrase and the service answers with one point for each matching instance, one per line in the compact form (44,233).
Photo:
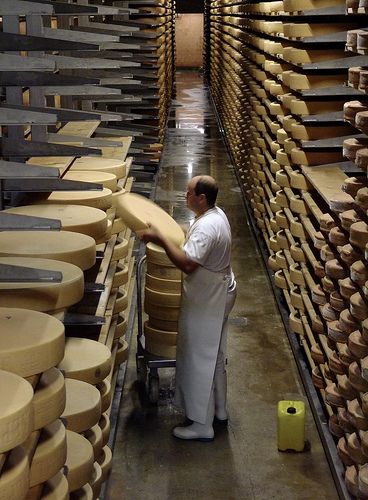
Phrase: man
(208,295)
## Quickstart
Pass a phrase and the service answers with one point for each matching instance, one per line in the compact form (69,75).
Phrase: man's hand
(150,235)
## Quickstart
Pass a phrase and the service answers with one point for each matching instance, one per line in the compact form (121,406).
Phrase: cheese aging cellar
(183,249)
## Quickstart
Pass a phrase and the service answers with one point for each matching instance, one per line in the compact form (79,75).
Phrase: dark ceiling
(189,6)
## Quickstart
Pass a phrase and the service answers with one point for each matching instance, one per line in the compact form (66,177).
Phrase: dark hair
(209,188)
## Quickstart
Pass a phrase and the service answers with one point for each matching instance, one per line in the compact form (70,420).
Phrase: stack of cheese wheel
(161,303)
(87,366)
(31,345)
(163,279)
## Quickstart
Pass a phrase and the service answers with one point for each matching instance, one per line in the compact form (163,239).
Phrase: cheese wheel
(86,360)
(49,398)
(14,476)
(76,218)
(138,211)
(159,336)
(107,165)
(84,493)
(75,248)
(104,424)
(120,250)
(121,326)
(166,272)
(97,199)
(30,342)
(94,436)
(55,488)
(118,225)
(162,298)
(122,353)
(163,285)
(121,301)
(79,461)
(161,324)
(161,350)
(105,462)
(108,180)
(161,312)
(16,411)
(105,391)
(96,481)
(42,296)
(359,234)
(83,405)
(50,454)
(121,275)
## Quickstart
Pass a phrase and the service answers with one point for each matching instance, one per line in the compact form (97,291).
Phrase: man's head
(201,193)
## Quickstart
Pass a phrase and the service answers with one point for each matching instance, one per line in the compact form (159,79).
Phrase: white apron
(200,325)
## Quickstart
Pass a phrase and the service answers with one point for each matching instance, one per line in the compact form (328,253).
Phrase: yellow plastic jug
(290,425)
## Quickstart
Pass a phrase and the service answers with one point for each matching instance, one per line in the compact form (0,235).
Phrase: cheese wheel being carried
(75,218)
(16,411)
(49,398)
(138,212)
(108,181)
(50,454)
(79,461)
(86,360)
(14,476)
(75,248)
(30,342)
(83,405)
(41,296)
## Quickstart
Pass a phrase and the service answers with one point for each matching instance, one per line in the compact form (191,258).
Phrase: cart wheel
(141,370)
(153,388)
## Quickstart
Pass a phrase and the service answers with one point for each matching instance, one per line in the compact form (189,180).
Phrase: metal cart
(147,364)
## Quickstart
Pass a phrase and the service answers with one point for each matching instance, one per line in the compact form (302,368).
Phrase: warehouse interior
(107,106)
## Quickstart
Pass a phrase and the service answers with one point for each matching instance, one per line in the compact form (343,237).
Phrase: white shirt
(208,242)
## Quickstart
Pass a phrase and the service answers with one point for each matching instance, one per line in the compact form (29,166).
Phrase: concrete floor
(243,461)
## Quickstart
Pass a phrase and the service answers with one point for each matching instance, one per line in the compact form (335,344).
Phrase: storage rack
(78,81)
(282,75)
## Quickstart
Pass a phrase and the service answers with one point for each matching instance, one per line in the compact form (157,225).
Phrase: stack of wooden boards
(66,262)
(288,81)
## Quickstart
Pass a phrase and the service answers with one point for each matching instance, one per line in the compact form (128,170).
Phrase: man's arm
(177,255)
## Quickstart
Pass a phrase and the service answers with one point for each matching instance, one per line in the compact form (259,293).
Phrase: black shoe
(220,422)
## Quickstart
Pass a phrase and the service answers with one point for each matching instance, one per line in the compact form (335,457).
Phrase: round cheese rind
(163,285)
(104,424)
(165,299)
(108,165)
(157,255)
(30,342)
(161,312)
(83,493)
(42,296)
(94,436)
(16,411)
(75,248)
(138,211)
(75,218)
(162,350)
(122,352)
(14,477)
(97,199)
(86,360)
(49,398)
(79,461)
(105,462)
(159,336)
(50,454)
(55,488)
(83,405)
(108,181)
(96,481)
